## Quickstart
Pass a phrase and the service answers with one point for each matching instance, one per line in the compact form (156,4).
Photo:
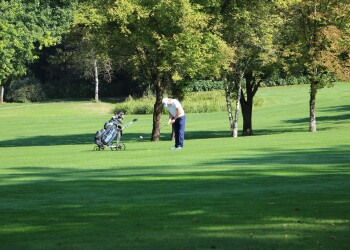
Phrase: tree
(172,41)
(317,37)
(252,28)
(88,45)
(26,26)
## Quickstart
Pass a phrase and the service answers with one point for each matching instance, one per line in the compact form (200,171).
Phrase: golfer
(177,119)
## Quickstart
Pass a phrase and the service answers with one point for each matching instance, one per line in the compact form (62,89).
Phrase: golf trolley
(111,130)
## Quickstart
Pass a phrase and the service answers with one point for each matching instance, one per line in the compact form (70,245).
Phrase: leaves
(25,27)
(172,38)
(320,37)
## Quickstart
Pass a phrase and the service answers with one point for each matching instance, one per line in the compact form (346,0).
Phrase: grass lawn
(284,188)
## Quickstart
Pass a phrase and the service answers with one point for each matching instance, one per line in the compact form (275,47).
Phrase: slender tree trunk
(96,81)
(229,106)
(2,91)
(238,107)
(238,83)
(313,92)
(313,84)
(157,111)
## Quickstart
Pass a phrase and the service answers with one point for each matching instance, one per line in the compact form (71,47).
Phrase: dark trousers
(179,131)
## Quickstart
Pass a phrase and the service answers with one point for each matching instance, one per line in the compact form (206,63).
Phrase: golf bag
(111,130)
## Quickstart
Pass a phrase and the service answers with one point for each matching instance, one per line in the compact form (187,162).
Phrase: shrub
(28,89)
(297,80)
(205,85)
(276,80)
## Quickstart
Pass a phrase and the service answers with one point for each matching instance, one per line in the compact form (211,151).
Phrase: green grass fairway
(284,188)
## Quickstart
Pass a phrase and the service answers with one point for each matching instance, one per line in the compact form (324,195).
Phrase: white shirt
(172,108)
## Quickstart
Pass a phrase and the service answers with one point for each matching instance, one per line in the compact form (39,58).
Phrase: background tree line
(61,49)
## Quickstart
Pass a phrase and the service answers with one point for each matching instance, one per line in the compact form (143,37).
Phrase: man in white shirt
(177,119)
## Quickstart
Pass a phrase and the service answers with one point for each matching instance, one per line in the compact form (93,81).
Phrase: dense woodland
(59,49)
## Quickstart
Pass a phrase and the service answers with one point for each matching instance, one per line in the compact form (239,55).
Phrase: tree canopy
(26,26)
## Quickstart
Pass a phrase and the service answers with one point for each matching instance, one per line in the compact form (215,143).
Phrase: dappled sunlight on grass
(188,213)
(21,228)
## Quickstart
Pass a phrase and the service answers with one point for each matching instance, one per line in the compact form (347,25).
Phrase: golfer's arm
(179,111)
(170,118)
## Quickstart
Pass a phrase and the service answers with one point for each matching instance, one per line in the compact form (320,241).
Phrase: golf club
(128,124)
(164,125)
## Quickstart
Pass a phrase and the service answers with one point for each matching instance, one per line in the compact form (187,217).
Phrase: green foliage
(276,80)
(295,80)
(26,26)
(253,29)
(28,89)
(317,39)
(89,41)
(171,38)
(205,85)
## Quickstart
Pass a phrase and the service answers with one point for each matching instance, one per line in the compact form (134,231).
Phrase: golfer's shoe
(176,148)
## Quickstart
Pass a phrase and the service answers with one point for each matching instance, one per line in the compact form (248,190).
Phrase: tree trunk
(157,111)
(313,92)
(229,106)
(247,108)
(247,105)
(96,81)
(313,81)
(2,91)
(238,106)
(238,84)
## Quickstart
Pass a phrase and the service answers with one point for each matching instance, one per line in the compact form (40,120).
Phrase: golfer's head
(165,102)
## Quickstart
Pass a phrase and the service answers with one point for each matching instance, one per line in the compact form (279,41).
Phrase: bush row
(205,85)
(274,80)
(30,89)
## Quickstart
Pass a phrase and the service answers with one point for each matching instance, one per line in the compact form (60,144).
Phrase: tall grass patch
(143,105)
(194,102)
(205,102)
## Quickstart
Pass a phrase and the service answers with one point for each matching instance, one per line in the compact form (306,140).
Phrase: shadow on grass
(340,108)
(249,206)
(83,139)
(77,139)
(48,140)
(327,118)
(317,158)
(80,139)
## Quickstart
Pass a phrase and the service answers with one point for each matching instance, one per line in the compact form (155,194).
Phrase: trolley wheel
(114,146)
(121,146)
(97,148)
